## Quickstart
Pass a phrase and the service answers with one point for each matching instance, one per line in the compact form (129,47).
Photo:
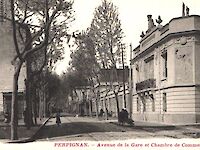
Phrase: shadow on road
(74,128)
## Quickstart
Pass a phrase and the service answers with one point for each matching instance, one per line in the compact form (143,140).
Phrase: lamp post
(123,66)
(130,84)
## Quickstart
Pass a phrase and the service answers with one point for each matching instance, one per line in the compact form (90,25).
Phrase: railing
(150,83)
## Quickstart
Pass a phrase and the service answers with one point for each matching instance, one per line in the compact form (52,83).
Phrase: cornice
(164,40)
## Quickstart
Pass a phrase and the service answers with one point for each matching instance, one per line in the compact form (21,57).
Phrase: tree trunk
(96,103)
(117,102)
(29,122)
(106,109)
(34,105)
(35,112)
(40,104)
(14,105)
(90,108)
(29,95)
(97,108)
(44,99)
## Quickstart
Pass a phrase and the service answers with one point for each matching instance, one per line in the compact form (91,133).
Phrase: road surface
(86,128)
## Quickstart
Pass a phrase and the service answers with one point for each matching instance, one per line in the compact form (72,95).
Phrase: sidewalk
(158,124)
(192,129)
(114,120)
(23,134)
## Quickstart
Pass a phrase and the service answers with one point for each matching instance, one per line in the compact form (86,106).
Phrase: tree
(84,52)
(55,92)
(107,34)
(89,70)
(36,24)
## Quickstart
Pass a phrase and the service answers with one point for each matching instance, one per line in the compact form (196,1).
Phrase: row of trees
(98,49)
(39,27)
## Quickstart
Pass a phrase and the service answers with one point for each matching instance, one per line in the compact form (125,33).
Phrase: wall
(197,60)
(7,55)
(182,24)
(180,106)
(184,62)
(197,104)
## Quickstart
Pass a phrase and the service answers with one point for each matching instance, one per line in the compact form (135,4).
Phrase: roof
(177,27)
(110,75)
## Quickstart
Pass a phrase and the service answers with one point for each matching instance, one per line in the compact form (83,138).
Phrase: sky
(133,16)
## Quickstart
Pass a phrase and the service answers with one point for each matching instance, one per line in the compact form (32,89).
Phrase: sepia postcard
(100,74)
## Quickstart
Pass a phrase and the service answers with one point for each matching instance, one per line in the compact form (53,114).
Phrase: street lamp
(123,66)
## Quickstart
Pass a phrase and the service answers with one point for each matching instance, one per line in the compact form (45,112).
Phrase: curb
(34,136)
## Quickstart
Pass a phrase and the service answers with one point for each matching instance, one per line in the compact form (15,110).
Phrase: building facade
(7,50)
(166,72)
(106,98)
(89,100)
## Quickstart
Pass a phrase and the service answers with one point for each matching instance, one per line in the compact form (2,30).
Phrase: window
(137,68)
(149,67)
(144,104)
(153,102)
(138,105)
(164,61)
(1,10)
(164,102)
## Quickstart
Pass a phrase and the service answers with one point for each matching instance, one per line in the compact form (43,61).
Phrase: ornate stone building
(166,72)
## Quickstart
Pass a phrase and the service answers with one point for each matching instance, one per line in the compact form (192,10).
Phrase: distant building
(79,102)
(166,72)
(87,100)
(106,97)
(7,51)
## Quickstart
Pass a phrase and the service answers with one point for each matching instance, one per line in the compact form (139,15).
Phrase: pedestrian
(125,114)
(101,112)
(121,117)
(58,121)
(7,117)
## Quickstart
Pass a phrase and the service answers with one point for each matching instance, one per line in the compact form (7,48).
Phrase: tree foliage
(39,27)
(83,60)
(106,33)
(42,17)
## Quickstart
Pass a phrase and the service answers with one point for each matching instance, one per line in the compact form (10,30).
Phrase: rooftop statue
(150,23)
(183,10)
(142,34)
(187,11)
(159,20)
